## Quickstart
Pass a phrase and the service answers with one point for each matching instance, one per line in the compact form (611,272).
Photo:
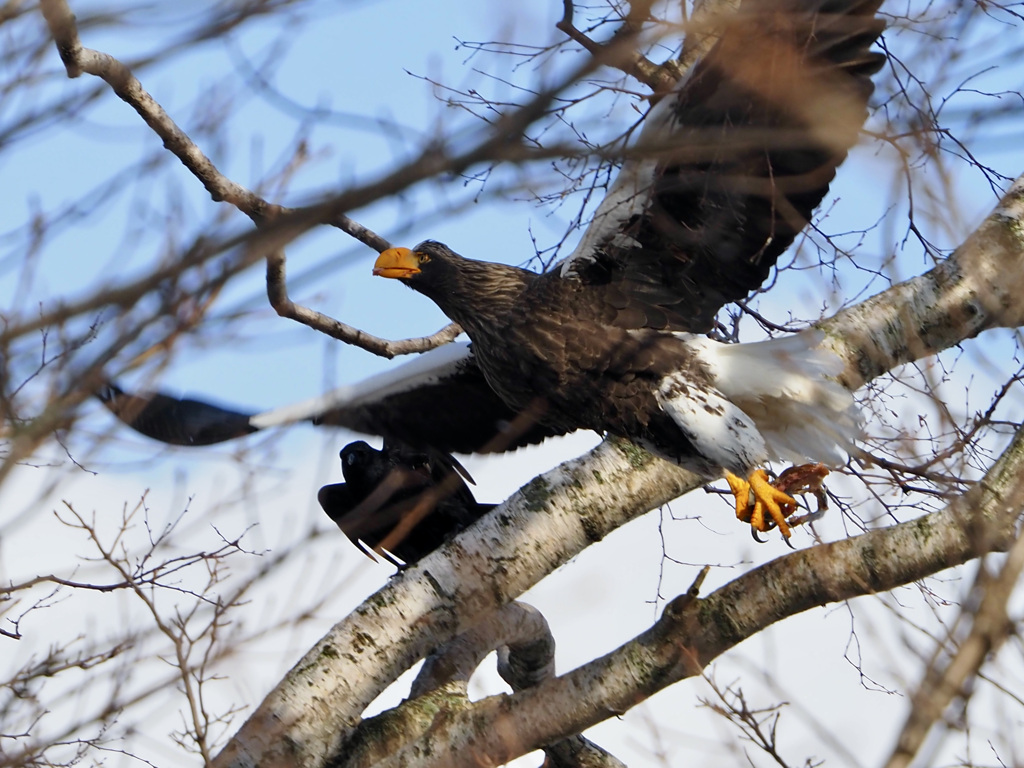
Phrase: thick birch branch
(692,632)
(516,625)
(981,286)
(558,514)
(526,652)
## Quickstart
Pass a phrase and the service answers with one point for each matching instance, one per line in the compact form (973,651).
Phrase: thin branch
(529,662)
(281,224)
(620,51)
(944,682)
(277,292)
(79,60)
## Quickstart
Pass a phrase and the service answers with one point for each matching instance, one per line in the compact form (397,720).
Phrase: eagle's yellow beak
(397,262)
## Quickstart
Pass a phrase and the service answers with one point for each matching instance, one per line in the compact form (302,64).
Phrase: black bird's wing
(439,401)
(338,502)
(735,160)
(398,500)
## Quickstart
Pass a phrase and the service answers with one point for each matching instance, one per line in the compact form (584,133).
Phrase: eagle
(727,171)
(398,501)
(614,338)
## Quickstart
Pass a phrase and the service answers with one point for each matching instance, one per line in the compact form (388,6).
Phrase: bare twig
(277,292)
(282,224)
(620,52)
(947,679)
(79,60)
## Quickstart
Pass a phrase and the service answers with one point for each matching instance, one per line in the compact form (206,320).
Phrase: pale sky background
(367,60)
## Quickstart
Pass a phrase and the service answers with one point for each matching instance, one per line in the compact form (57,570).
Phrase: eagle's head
(429,263)
(461,287)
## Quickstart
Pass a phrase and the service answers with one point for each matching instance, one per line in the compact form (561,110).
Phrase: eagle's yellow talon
(756,496)
(741,490)
(767,497)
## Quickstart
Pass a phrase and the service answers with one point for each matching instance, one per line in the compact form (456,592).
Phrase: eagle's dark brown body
(743,150)
(546,351)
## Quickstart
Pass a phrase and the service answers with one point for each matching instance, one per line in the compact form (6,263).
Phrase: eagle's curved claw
(756,496)
(767,498)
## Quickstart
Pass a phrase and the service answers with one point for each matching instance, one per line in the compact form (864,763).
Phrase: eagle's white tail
(785,385)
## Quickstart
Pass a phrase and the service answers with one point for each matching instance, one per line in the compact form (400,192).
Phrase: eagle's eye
(422,258)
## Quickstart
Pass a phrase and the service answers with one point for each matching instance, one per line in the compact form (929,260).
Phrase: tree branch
(78,60)
(944,682)
(692,632)
(531,660)
(281,224)
(977,288)
(516,625)
(277,293)
(620,51)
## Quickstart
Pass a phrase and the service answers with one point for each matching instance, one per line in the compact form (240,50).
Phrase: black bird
(398,501)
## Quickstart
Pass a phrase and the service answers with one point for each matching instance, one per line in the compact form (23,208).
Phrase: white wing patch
(428,368)
(785,386)
(722,433)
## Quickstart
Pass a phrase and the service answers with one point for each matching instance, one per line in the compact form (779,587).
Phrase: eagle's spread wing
(439,400)
(737,158)
(177,421)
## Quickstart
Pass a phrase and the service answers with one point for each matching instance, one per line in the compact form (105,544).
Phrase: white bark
(692,632)
(979,287)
